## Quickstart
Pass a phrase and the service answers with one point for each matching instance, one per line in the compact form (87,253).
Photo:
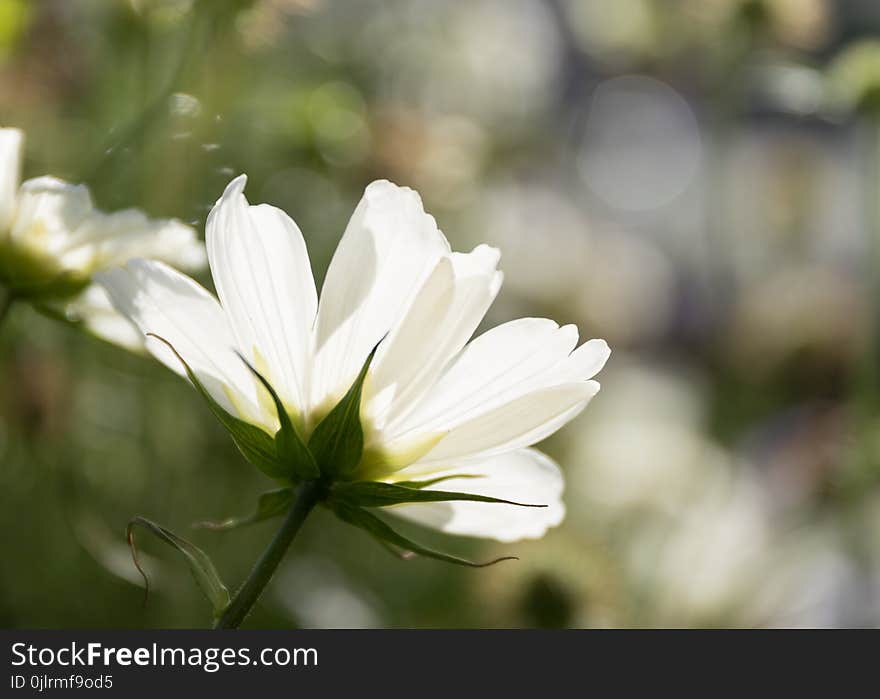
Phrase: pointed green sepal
(388,537)
(338,441)
(257,445)
(433,481)
(395,551)
(292,450)
(200,565)
(374,494)
(272,504)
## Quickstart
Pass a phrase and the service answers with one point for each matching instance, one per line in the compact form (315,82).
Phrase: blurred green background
(695,181)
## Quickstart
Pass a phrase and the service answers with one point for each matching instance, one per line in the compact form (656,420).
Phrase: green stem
(248,594)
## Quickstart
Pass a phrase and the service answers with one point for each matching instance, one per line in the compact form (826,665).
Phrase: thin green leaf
(433,481)
(374,494)
(200,565)
(290,446)
(271,504)
(255,444)
(385,534)
(394,551)
(338,441)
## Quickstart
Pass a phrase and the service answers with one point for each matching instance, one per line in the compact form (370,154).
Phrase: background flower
(53,239)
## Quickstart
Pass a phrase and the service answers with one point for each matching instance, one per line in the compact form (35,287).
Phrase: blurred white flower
(725,561)
(432,404)
(700,569)
(704,543)
(52,240)
(643,449)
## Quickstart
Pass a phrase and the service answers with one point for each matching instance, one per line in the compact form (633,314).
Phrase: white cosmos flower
(432,404)
(53,239)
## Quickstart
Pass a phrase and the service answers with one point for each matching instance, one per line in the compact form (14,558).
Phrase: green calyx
(292,452)
(334,447)
(330,462)
(32,277)
(337,442)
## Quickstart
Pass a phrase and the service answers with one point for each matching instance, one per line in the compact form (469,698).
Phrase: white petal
(390,245)
(94,309)
(159,300)
(11,149)
(443,316)
(500,365)
(519,423)
(48,211)
(584,363)
(113,239)
(263,277)
(526,476)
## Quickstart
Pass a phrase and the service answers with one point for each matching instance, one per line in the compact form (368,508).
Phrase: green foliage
(374,494)
(200,565)
(256,445)
(379,530)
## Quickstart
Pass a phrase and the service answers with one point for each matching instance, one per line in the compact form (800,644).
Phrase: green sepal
(292,450)
(374,494)
(200,565)
(257,445)
(35,277)
(433,481)
(388,537)
(271,504)
(338,441)
(398,553)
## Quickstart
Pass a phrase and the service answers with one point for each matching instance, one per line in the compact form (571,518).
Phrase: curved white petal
(584,363)
(160,300)
(526,476)
(519,423)
(11,149)
(390,245)
(501,365)
(262,273)
(442,317)
(48,211)
(94,309)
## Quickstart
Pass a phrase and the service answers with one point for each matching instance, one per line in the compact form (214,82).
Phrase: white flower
(432,404)
(52,240)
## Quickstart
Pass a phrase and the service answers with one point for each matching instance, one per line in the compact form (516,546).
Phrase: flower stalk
(241,604)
